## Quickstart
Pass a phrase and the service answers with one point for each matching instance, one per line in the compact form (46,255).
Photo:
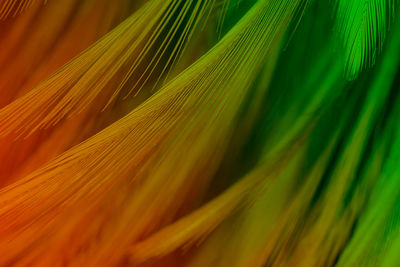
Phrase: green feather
(362,26)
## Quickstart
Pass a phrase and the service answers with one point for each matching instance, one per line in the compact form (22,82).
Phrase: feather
(108,180)
(40,41)
(14,7)
(372,243)
(34,45)
(362,26)
(108,64)
(251,152)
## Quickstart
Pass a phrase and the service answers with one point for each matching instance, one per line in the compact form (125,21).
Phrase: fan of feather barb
(13,7)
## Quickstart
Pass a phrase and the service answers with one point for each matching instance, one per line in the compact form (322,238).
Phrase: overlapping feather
(136,191)
(105,67)
(14,7)
(32,49)
(107,182)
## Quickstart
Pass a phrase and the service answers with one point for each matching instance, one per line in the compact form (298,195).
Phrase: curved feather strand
(362,26)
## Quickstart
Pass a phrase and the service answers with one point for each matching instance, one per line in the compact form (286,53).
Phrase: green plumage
(362,26)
